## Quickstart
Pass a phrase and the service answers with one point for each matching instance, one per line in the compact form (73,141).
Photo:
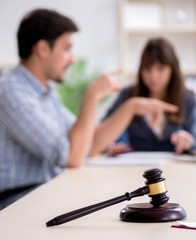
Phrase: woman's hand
(118,148)
(144,106)
(182,140)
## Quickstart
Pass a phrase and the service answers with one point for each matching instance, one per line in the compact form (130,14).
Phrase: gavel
(155,187)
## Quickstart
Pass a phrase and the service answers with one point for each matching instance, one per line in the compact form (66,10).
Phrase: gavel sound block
(157,211)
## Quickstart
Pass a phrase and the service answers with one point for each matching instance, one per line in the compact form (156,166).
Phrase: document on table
(133,158)
(140,158)
(184,158)
(186,225)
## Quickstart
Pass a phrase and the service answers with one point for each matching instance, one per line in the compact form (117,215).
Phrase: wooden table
(75,188)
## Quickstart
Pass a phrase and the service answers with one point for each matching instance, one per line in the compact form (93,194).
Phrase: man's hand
(104,85)
(182,140)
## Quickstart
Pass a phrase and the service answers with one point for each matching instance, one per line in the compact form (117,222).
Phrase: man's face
(59,58)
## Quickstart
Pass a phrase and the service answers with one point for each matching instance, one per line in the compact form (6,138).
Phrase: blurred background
(112,36)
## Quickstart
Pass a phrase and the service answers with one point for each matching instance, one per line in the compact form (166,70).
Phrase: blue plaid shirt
(34,128)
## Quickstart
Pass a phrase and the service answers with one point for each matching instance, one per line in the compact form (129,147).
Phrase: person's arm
(124,95)
(82,132)
(185,138)
(190,115)
(109,130)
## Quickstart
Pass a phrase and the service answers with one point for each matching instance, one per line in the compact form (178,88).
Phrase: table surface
(76,188)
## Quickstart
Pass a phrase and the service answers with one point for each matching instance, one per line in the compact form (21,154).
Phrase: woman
(159,77)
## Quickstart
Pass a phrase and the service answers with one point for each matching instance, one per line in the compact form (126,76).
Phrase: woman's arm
(185,139)
(109,130)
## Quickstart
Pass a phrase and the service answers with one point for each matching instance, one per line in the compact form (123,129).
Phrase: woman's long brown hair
(159,50)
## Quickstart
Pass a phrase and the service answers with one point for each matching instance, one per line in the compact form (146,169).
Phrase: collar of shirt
(33,81)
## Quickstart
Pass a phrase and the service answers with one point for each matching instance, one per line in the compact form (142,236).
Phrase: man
(39,137)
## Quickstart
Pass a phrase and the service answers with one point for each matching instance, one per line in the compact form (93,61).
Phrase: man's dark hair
(41,24)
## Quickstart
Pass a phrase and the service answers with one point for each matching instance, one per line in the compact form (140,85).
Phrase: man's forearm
(82,132)
(111,128)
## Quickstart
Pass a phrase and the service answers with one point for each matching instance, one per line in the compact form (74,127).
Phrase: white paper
(187,224)
(184,158)
(140,158)
(133,158)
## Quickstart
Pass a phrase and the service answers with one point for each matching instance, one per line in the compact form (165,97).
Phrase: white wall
(97,19)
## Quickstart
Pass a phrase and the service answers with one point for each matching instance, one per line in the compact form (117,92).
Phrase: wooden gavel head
(156,186)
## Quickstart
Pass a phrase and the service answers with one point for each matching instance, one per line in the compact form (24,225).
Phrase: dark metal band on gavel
(155,188)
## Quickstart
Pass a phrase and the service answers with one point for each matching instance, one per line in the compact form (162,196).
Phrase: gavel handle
(95,207)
